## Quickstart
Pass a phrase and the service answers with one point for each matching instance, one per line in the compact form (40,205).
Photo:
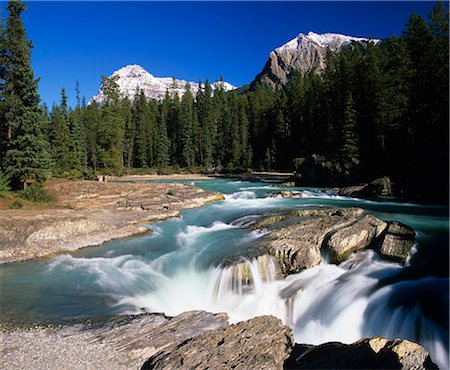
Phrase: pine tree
(140,118)
(349,138)
(162,139)
(111,127)
(3,69)
(26,157)
(186,121)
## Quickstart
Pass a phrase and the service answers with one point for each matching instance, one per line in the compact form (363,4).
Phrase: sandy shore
(89,213)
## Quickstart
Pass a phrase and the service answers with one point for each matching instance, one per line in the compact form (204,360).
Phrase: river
(182,265)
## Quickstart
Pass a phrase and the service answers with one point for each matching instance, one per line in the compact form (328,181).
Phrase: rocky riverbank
(196,339)
(89,213)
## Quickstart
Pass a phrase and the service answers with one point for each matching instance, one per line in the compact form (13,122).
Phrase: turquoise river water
(180,266)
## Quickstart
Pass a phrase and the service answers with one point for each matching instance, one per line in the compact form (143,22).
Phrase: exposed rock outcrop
(354,237)
(298,246)
(380,187)
(196,340)
(260,343)
(89,213)
(296,237)
(397,242)
(370,353)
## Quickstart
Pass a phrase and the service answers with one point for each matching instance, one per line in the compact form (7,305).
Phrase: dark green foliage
(383,106)
(36,193)
(16,204)
(349,139)
(4,183)
(26,156)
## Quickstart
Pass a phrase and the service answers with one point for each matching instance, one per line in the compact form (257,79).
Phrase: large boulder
(298,246)
(260,343)
(397,242)
(354,237)
(370,353)
(380,187)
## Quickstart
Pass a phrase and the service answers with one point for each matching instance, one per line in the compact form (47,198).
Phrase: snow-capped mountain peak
(304,53)
(133,78)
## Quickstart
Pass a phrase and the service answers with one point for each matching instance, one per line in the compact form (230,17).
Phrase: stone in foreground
(260,343)
(370,353)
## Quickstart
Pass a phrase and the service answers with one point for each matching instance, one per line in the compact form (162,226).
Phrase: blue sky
(187,40)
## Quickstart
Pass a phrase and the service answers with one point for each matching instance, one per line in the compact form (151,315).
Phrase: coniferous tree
(26,157)
(162,139)
(349,138)
(187,132)
(111,127)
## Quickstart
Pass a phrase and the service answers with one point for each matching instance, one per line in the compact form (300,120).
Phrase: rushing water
(185,264)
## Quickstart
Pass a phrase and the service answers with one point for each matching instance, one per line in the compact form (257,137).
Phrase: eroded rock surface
(260,343)
(89,213)
(397,242)
(296,237)
(354,237)
(298,246)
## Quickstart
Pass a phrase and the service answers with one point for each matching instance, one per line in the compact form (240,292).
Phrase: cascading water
(207,260)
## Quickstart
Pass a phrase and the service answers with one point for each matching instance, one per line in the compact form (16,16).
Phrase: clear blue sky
(187,40)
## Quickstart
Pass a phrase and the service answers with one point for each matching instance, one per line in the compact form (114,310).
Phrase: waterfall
(245,276)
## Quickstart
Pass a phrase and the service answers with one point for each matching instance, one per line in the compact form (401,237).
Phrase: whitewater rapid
(205,260)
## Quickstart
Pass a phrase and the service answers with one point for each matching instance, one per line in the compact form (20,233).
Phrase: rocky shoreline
(197,339)
(88,213)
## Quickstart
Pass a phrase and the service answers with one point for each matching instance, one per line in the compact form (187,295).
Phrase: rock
(316,170)
(284,184)
(260,343)
(397,242)
(380,187)
(370,353)
(298,246)
(283,194)
(354,237)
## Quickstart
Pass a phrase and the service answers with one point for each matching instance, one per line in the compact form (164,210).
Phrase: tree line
(381,106)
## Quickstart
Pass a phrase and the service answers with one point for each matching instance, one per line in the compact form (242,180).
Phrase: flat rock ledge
(196,340)
(296,238)
(90,213)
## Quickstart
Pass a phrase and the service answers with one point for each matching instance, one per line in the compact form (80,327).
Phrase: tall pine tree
(26,158)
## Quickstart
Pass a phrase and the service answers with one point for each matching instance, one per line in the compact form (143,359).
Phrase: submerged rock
(260,343)
(354,237)
(397,242)
(369,353)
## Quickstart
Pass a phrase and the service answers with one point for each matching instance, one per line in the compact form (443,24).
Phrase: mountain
(304,53)
(132,77)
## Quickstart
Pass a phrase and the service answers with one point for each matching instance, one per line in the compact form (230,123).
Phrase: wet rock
(283,194)
(380,187)
(260,343)
(397,242)
(354,237)
(370,353)
(284,184)
(298,246)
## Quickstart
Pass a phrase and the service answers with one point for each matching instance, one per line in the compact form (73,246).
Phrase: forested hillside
(382,107)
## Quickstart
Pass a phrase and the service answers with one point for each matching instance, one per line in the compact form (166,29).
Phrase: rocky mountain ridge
(132,78)
(304,53)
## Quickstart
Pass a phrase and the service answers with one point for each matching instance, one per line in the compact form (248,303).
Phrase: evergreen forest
(381,106)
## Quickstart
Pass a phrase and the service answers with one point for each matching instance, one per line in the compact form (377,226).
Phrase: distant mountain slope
(132,77)
(304,53)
